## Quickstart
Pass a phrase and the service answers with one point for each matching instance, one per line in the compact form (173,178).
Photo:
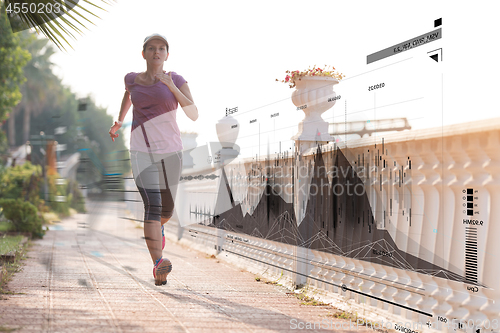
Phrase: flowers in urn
(293,76)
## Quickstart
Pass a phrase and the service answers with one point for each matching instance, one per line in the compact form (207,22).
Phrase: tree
(40,84)
(12,60)
(40,81)
(84,130)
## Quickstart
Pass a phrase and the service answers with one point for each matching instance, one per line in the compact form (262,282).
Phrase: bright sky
(231,52)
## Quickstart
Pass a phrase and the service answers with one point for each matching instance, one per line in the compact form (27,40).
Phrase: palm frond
(57,27)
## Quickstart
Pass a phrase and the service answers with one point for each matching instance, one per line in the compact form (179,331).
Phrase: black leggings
(157,177)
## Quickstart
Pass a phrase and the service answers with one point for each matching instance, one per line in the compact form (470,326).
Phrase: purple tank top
(154,125)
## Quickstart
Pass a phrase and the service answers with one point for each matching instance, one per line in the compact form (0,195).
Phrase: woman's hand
(113,129)
(166,79)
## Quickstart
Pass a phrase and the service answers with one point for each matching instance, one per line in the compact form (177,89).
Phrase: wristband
(119,122)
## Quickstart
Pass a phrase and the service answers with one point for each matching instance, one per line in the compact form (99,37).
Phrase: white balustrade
(330,276)
(325,269)
(287,262)
(261,254)
(491,272)
(376,290)
(357,281)
(445,224)
(279,258)
(479,175)
(337,278)
(315,262)
(366,284)
(275,269)
(427,223)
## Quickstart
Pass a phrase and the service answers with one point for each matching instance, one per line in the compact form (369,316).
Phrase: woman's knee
(167,214)
(153,212)
(152,205)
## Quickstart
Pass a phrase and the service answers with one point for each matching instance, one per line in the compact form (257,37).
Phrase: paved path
(93,273)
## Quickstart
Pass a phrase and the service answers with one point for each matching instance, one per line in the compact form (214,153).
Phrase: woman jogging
(155,142)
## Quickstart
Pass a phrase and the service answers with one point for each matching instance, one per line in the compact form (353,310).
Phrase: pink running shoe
(161,270)
(162,238)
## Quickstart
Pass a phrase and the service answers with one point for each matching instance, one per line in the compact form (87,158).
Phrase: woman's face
(156,52)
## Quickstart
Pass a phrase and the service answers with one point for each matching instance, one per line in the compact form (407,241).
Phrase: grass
(50,217)
(9,243)
(354,318)
(6,226)
(307,300)
(345,315)
(273,282)
(10,268)
(212,257)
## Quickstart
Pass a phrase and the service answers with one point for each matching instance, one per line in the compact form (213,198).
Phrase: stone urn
(227,131)
(189,140)
(314,95)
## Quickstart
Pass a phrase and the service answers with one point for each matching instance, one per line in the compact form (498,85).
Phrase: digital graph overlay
(348,224)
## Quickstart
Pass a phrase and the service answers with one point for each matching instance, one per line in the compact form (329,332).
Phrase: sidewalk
(93,273)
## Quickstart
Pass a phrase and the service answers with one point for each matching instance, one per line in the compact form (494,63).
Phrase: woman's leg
(149,187)
(152,234)
(147,177)
(170,169)
(146,180)
(152,211)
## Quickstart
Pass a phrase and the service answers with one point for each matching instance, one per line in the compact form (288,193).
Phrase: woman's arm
(126,103)
(183,95)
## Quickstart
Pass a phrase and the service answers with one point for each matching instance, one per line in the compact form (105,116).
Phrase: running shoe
(163,238)
(161,270)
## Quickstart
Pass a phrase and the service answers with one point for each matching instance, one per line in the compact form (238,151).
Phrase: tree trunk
(26,123)
(12,128)
(12,124)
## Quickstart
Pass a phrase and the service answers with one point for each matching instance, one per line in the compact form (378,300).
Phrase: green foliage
(69,192)
(22,181)
(40,80)
(23,215)
(10,268)
(4,225)
(55,192)
(12,60)
(48,104)
(27,182)
(3,147)
(95,125)
(9,243)
(75,197)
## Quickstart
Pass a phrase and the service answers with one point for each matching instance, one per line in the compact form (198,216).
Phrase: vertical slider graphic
(470,203)
(471,254)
